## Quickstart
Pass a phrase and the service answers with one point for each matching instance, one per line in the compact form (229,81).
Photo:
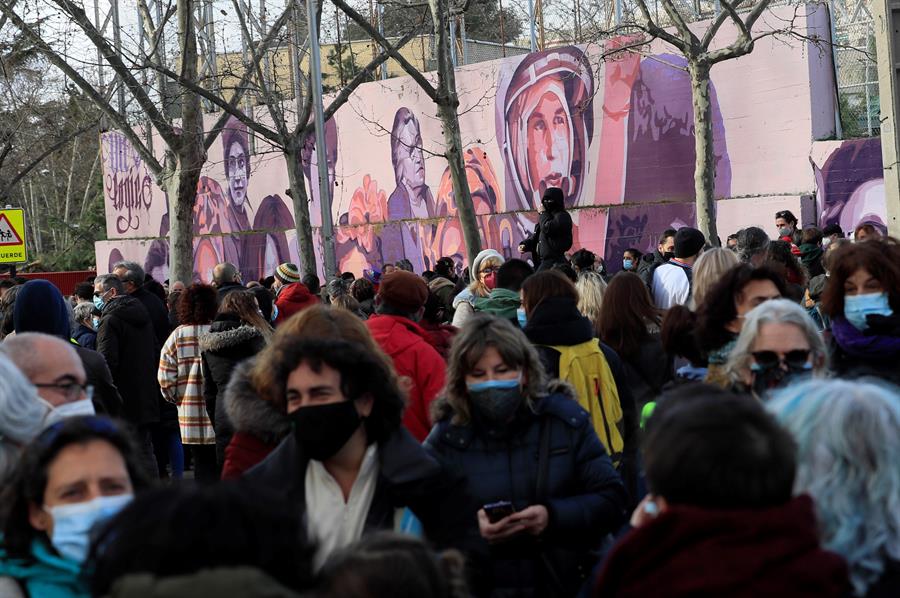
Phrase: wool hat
(41,307)
(403,290)
(688,242)
(485,254)
(287,273)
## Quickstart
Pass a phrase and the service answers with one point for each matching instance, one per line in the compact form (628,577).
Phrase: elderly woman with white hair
(778,345)
(22,415)
(848,438)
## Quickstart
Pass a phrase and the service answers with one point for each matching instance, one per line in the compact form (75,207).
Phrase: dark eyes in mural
(631,227)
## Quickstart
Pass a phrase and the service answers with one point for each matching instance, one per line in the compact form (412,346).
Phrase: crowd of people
(707,421)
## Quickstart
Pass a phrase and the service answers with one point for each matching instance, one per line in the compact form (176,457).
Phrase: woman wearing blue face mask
(862,298)
(630,259)
(548,491)
(77,474)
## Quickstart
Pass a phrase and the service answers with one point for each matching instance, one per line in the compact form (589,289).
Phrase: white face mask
(66,410)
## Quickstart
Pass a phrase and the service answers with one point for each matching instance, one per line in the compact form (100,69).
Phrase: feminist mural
(616,134)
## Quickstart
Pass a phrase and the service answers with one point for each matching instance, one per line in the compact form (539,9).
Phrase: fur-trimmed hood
(441,408)
(251,414)
(227,338)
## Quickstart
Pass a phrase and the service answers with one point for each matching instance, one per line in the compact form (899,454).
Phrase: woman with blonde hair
(251,400)
(708,270)
(591,288)
(484,280)
(497,414)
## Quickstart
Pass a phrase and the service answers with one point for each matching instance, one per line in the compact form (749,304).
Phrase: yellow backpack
(584,366)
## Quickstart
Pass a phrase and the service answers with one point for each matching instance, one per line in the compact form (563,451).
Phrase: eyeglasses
(796,359)
(71,390)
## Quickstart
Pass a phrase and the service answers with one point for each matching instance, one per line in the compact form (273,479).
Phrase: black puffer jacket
(127,340)
(158,313)
(583,494)
(228,342)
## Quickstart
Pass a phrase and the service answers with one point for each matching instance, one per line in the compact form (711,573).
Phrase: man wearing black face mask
(349,464)
(553,233)
(665,251)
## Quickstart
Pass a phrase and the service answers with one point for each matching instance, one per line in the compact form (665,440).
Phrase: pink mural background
(615,135)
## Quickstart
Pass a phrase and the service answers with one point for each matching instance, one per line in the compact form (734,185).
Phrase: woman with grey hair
(778,344)
(848,439)
(22,415)
(548,492)
(87,321)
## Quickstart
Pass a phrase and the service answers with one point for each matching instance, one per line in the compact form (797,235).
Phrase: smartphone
(498,510)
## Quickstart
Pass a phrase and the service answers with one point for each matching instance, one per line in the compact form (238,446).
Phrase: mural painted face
(237,174)
(410,159)
(549,138)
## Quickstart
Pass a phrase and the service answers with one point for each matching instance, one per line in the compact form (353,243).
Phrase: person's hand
(645,512)
(500,531)
(535,519)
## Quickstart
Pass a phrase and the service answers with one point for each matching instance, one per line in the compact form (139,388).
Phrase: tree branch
(56,146)
(717,24)
(89,90)
(164,127)
(412,71)
(680,24)
(657,31)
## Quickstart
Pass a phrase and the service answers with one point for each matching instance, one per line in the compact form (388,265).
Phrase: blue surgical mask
(96,323)
(72,524)
(627,264)
(491,384)
(274,312)
(99,302)
(857,307)
(520,316)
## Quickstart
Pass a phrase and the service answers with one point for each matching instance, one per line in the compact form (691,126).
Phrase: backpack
(585,367)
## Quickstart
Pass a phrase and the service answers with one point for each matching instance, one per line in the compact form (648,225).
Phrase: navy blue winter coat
(586,499)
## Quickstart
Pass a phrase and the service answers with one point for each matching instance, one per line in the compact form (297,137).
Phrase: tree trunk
(189,157)
(705,163)
(301,209)
(448,103)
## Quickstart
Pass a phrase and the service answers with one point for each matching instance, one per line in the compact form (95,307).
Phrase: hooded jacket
(228,342)
(416,359)
(258,425)
(585,497)
(292,299)
(555,230)
(689,551)
(40,307)
(127,341)
(502,303)
(557,321)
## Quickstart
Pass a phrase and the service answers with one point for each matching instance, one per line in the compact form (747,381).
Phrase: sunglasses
(793,360)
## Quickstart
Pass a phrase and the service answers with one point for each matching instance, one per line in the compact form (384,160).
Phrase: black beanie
(688,242)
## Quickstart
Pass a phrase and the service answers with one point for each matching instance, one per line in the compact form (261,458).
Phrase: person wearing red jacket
(292,296)
(399,305)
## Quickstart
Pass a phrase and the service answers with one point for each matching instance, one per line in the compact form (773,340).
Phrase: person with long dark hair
(862,298)
(630,324)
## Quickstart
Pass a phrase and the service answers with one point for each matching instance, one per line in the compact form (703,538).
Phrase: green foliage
(343,69)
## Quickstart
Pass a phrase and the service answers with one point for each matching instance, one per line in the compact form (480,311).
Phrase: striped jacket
(181,382)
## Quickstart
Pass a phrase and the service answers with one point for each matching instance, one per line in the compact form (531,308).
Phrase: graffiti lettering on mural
(850,183)
(616,136)
(127,186)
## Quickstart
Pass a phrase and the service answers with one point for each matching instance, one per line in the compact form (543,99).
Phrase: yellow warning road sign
(12,236)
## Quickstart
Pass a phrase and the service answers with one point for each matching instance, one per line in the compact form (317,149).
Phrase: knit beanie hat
(287,273)
(41,307)
(403,290)
(476,265)
(688,242)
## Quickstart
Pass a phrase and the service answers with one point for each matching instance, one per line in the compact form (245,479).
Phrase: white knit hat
(485,254)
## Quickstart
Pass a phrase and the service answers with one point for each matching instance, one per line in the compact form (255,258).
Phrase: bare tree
(700,60)
(186,145)
(445,97)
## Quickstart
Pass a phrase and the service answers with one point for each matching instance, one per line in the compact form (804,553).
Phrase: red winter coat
(292,299)
(689,551)
(440,336)
(415,359)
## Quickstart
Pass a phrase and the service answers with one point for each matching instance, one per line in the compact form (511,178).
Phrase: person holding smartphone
(549,491)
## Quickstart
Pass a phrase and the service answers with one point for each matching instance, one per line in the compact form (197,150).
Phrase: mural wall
(616,135)
(850,183)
